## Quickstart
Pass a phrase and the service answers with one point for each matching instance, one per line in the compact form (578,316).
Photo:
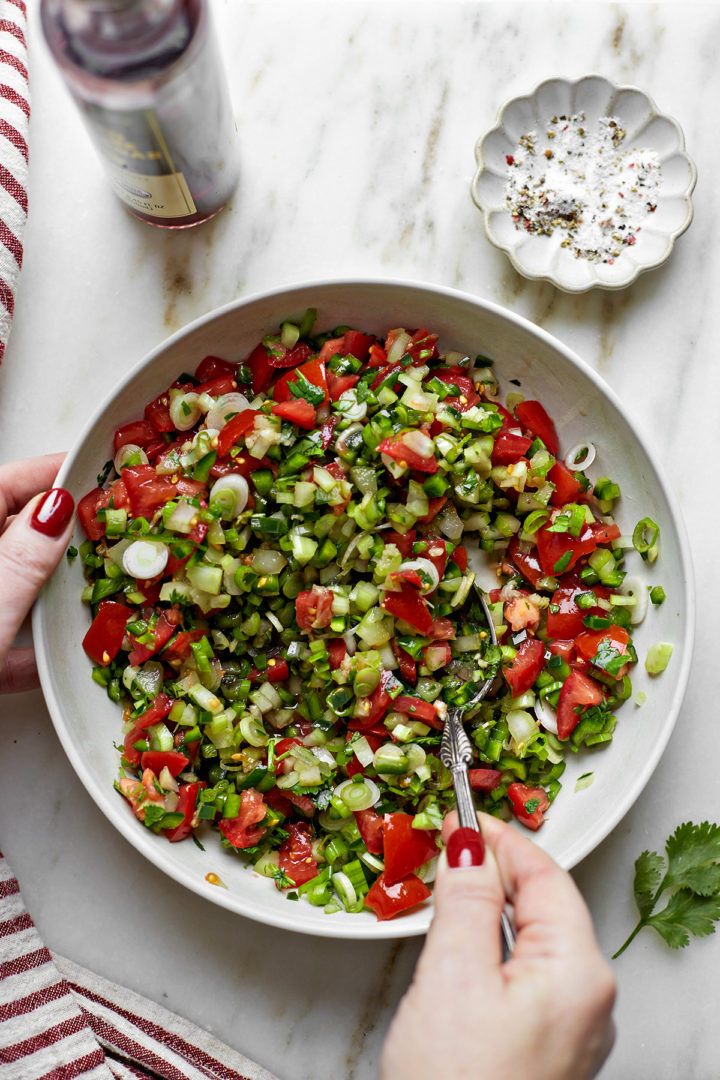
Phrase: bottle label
(140,163)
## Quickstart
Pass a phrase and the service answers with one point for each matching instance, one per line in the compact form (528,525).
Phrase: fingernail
(53,512)
(465,848)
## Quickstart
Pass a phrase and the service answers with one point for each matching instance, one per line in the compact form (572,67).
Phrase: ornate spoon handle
(455,753)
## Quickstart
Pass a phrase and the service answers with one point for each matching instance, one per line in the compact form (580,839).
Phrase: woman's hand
(34,532)
(544,1014)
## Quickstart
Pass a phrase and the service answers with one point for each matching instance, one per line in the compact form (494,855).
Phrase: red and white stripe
(14,124)
(61,1022)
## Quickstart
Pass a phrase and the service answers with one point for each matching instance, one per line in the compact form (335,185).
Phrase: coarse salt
(577,178)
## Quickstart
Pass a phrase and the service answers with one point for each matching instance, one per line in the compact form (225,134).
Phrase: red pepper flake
(510,159)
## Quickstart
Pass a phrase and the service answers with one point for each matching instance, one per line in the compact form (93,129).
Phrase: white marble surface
(357,123)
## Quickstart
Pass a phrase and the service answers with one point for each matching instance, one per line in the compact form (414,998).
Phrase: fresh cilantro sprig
(690,877)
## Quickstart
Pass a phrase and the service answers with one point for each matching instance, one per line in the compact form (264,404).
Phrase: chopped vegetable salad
(279,561)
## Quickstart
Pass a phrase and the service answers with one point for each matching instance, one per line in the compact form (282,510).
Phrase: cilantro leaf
(692,851)
(648,872)
(684,914)
(690,882)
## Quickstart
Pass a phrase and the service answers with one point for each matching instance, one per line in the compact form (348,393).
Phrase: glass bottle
(148,80)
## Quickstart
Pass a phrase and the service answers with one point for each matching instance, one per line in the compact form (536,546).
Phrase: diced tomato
(187,486)
(460,557)
(408,667)
(525,667)
(242,465)
(297,412)
(87,509)
(422,346)
(554,547)
(484,779)
(179,647)
(442,630)
(417,709)
(279,357)
(434,507)
(187,806)
(157,760)
(337,651)
(387,900)
(161,634)
(370,825)
(509,448)
(567,487)
(411,576)
(161,706)
(314,371)
(357,344)
(377,357)
(284,801)
(534,418)
(216,388)
(402,541)
(338,384)
(276,671)
(604,533)
(520,796)
(245,830)
(212,367)
(235,429)
(397,449)
(260,370)
(563,647)
(313,608)
(437,655)
(436,552)
(526,561)
(103,640)
(409,606)
(139,432)
(296,858)
(468,394)
(578,693)
(282,747)
(352,343)
(374,706)
(406,848)
(565,618)
(387,376)
(157,412)
(146,490)
(588,642)
(327,429)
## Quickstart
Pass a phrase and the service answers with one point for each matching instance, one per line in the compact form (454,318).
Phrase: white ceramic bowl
(87,722)
(542,257)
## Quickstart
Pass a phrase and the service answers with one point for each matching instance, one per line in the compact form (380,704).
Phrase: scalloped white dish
(543,257)
(88,722)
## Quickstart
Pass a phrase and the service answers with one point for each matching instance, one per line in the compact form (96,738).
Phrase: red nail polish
(465,848)
(52,513)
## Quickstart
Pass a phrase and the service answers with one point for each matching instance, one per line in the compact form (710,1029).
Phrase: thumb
(30,548)
(469,898)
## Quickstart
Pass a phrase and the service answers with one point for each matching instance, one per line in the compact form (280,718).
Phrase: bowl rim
(510,251)
(391,929)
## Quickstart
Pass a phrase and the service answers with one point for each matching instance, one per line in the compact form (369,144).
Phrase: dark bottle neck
(124,40)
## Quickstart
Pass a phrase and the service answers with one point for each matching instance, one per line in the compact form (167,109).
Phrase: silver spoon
(456,754)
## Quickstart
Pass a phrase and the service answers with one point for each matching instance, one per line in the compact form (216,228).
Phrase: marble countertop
(357,124)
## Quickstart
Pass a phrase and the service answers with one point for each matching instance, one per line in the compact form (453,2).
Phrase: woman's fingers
(549,910)
(469,899)
(30,549)
(20,672)
(20,480)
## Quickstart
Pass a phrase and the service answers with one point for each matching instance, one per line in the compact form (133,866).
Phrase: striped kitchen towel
(59,1021)
(14,123)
